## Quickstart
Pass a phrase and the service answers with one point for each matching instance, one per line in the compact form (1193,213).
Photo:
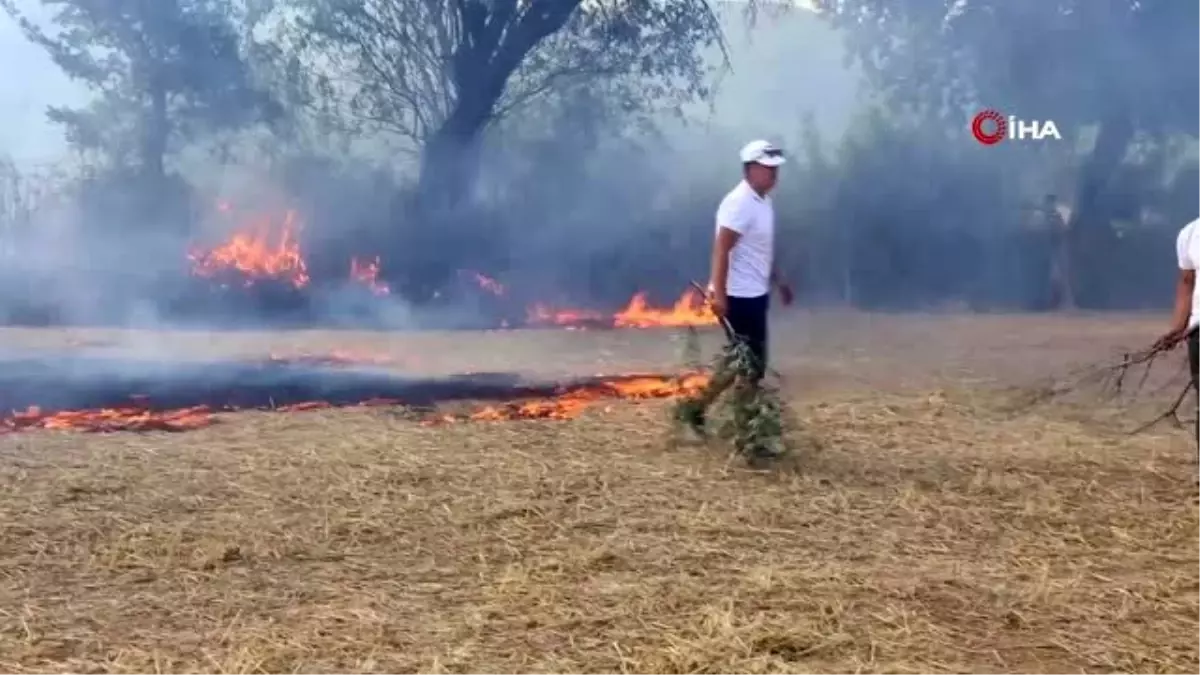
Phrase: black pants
(748,319)
(1193,346)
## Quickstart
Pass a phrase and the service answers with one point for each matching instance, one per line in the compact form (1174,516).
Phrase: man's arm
(726,240)
(1185,285)
(1184,288)
(781,285)
(732,222)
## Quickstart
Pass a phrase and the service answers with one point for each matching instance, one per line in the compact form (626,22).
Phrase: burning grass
(265,249)
(932,533)
(568,402)
(98,395)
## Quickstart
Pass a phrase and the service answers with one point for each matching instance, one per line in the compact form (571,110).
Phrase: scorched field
(515,500)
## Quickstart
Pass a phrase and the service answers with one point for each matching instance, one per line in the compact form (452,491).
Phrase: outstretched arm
(1184,287)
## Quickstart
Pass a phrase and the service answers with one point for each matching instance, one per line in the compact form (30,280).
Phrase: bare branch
(1171,413)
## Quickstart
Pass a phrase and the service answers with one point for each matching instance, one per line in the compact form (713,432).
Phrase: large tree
(439,72)
(159,68)
(1106,71)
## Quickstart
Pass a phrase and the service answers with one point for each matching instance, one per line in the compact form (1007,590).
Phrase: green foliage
(1104,71)
(420,67)
(754,414)
(1075,61)
(581,203)
(753,418)
(440,72)
(159,69)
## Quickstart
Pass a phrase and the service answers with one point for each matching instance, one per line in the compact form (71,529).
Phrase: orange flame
(569,403)
(689,310)
(572,402)
(366,272)
(255,254)
(129,418)
(251,254)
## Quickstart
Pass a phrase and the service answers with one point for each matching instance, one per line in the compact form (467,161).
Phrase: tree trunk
(450,161)
(1088,232)
(440,240)
(496,38)
(154,136)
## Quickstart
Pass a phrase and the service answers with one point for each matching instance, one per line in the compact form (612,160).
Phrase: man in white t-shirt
(1185,321)
(743,265)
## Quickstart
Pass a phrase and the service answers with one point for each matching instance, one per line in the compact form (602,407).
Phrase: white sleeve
(733,215)
(1183,246)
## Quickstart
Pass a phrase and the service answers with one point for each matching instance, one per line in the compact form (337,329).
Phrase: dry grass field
(931,531)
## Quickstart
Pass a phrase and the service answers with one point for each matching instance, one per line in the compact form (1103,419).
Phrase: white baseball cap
(761,152)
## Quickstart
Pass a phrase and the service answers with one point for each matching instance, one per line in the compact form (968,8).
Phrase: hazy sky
(31,82)
(788,65)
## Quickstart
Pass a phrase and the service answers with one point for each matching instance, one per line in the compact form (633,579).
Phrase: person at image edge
(1185,322)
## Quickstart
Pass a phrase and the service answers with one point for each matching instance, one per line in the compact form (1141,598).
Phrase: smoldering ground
(925,504)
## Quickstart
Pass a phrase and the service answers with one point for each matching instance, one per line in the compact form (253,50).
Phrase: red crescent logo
(999,133)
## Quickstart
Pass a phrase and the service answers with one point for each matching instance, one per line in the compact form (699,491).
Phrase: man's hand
(782,286)
(1172,337)
(718,301)
(785,293)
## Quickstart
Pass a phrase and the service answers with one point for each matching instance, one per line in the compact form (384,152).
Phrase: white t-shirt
(1187,248)
(753,217)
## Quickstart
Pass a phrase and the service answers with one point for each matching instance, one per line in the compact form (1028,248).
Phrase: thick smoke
(580,202)
(576,204)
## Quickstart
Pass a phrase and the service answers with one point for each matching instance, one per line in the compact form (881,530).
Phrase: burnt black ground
(75,382)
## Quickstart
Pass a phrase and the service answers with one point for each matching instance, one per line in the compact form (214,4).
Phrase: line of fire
(262,259)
